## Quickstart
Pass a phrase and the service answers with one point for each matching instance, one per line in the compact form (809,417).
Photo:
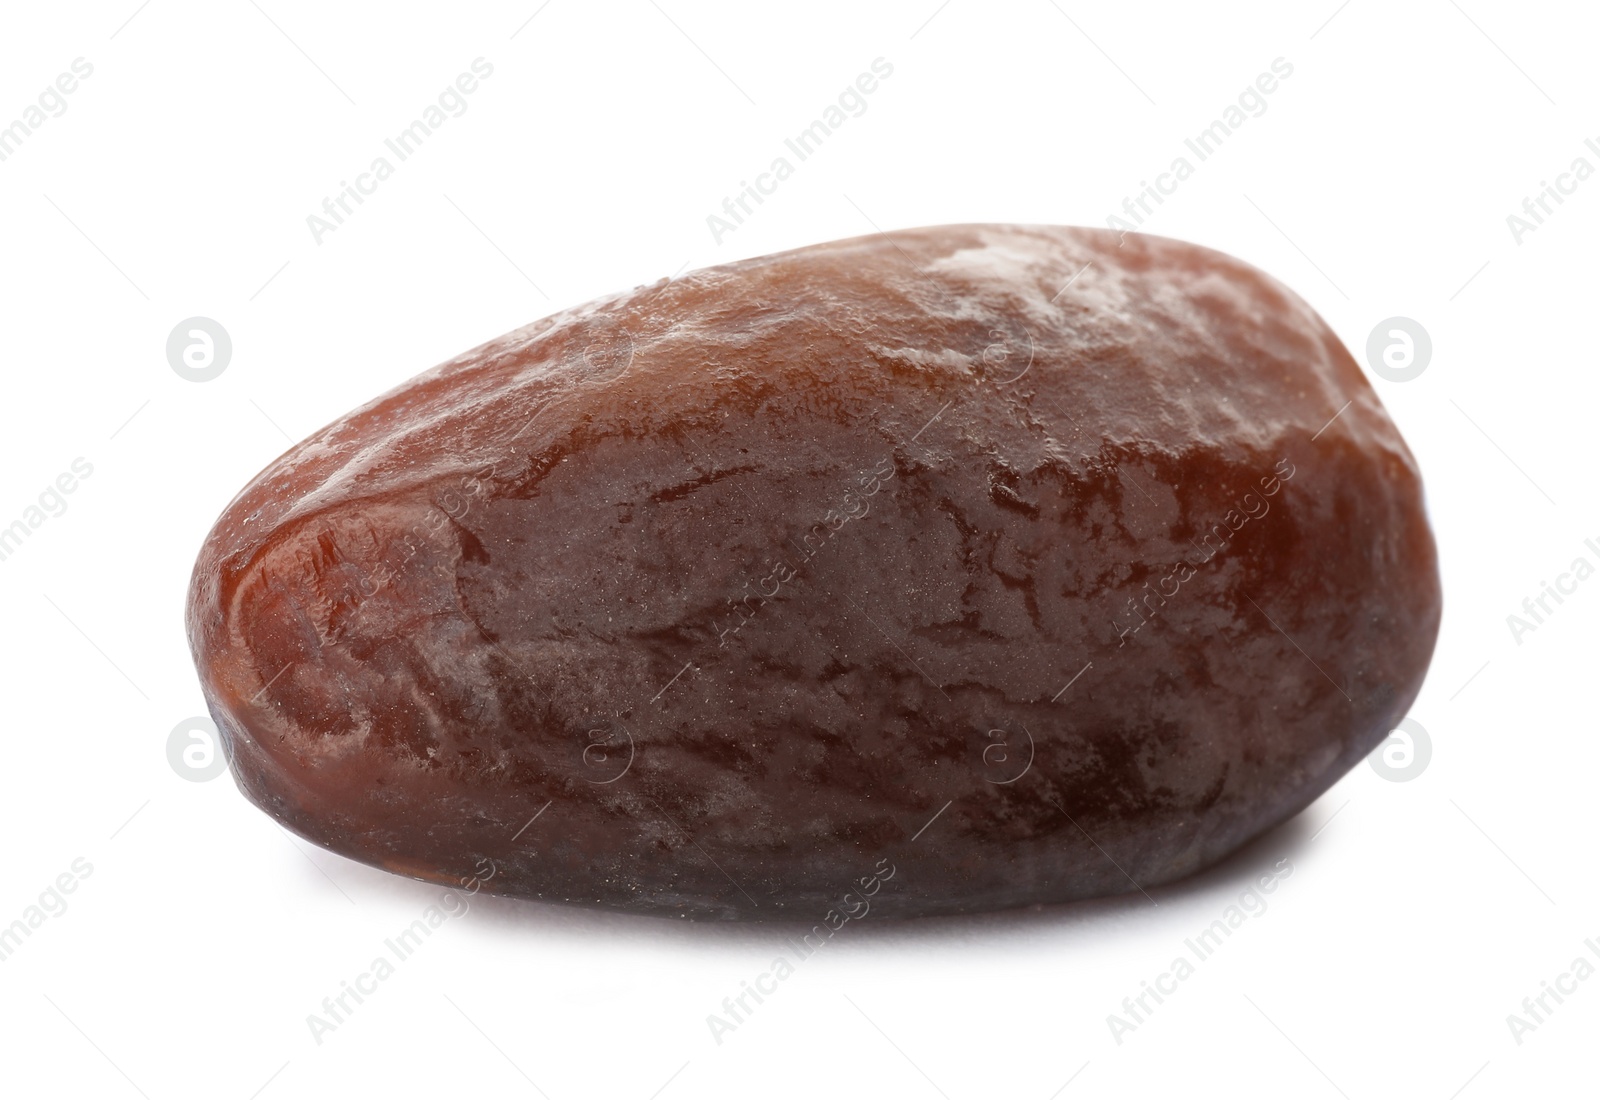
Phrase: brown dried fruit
(881,573)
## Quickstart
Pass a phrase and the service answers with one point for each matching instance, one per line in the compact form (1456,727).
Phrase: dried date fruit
(967,568)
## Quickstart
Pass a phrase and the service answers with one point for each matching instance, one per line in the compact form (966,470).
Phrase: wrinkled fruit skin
(737,582)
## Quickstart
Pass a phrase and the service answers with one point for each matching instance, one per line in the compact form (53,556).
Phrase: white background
(178,182)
